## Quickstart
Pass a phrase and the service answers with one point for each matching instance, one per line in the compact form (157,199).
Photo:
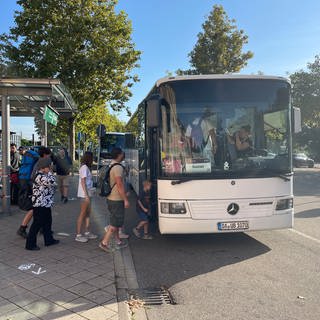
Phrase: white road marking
(39,271)
(305,235)
(26,266)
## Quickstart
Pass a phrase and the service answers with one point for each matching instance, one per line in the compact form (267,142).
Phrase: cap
(44,163)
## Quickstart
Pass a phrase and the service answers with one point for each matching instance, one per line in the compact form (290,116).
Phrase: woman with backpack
(29,158)
(29,170)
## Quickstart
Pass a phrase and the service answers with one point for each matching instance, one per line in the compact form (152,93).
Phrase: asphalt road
(257,275)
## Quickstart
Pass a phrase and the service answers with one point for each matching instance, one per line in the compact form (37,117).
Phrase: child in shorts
(144,211)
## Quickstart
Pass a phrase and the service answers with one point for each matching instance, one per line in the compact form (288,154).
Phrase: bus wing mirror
(296,120)
(153,113)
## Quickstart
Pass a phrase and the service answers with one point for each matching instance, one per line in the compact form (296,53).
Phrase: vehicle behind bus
(110,140)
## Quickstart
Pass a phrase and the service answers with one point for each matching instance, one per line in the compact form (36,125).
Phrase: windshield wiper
(174,182)
(284,176)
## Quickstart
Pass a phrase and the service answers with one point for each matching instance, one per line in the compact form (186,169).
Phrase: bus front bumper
(172,225)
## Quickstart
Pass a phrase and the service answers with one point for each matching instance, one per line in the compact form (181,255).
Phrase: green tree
(308,141)
(306,93)
(306,96)
(219,46)
(87,123)
(26,142)
(86,44)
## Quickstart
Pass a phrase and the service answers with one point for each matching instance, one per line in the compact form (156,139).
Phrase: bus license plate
(233,225)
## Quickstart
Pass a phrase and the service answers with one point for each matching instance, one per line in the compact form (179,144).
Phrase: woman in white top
(85,188)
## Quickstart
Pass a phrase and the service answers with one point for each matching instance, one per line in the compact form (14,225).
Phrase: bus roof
(218,76)
(209,76)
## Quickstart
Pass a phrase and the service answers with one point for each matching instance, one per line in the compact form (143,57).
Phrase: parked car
(302,160)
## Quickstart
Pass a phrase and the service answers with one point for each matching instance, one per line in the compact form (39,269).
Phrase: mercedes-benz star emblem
(233,208)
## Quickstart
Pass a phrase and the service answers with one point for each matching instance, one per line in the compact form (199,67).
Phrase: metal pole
(79,157)
(45,142)
(72,145)
(98,158)
(5,154)
(72,134)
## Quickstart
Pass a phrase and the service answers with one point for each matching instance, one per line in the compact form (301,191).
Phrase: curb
(126,279)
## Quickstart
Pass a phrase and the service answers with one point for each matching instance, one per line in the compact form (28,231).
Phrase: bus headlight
(284,204)
(173,208)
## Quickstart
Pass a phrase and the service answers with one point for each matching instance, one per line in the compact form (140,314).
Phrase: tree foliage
(308,141)
(26,142)
(111,122)
(86,44)
(306,96)
(88,123)
(219,46)
(306,93)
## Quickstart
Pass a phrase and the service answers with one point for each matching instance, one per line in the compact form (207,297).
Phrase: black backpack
(106,188)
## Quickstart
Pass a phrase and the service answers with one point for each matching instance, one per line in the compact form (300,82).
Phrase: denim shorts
(116,209)
(143,216)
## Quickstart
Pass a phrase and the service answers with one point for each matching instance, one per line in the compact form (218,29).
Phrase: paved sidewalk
(70,280)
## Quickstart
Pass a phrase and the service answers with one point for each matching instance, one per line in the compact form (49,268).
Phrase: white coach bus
(217,149)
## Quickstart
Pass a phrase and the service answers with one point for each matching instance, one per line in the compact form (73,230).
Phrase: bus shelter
(27,97)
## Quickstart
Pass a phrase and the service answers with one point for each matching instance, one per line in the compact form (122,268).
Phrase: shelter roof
(27,95)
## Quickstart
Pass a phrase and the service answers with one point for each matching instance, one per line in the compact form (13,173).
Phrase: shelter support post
(72,134)
(44,138)
(5,175)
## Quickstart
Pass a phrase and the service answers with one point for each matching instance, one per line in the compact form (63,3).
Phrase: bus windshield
(218,128)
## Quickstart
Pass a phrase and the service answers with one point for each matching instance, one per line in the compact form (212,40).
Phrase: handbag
(25,198)
(25,203)
(14,177)
(92,191)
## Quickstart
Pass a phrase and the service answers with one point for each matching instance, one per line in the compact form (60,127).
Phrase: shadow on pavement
(173,259)
(306,182)
(169,259)
(313,213)
(70,280)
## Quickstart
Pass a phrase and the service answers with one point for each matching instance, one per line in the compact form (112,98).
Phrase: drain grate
(152,296)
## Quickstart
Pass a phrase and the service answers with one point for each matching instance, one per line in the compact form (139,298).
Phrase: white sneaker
(136,232)
(105,248)
(90,235)
(121,245)
(147,237)
(123,235)
(81,238)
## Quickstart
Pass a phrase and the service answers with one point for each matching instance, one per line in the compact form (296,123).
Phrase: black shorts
(116,209)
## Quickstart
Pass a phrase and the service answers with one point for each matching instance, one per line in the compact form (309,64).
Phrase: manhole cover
(152,296)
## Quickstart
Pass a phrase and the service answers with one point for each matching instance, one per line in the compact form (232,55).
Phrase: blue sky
(284,36)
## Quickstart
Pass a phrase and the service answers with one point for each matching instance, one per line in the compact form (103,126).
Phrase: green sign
(50,116)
